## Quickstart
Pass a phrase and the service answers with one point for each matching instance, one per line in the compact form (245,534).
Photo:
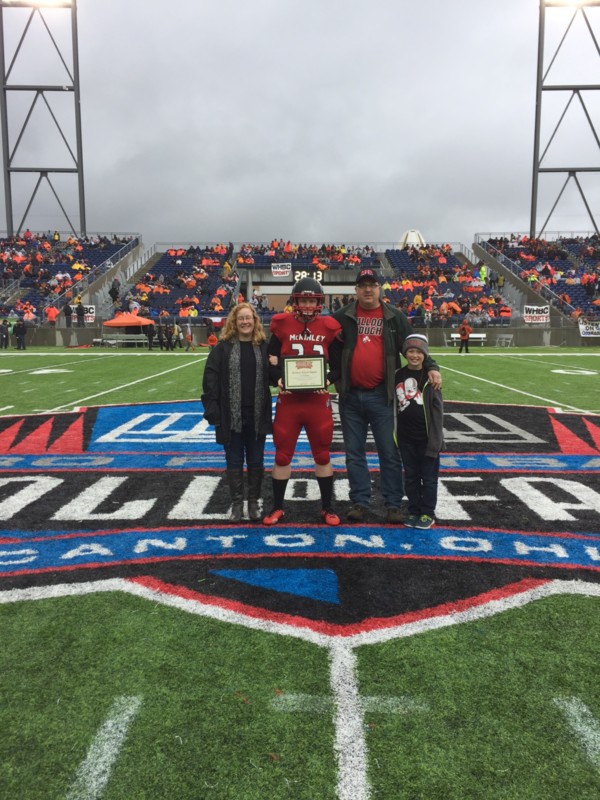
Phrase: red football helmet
(307,288)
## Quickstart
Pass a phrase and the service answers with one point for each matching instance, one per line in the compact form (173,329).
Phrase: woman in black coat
(237,401)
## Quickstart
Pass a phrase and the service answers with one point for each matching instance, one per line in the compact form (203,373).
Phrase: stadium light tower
(19,160)
(576,89)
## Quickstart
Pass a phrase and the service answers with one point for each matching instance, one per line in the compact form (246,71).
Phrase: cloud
(319,119)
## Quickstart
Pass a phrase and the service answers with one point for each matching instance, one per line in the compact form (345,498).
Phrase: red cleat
(329,518)
(274,517)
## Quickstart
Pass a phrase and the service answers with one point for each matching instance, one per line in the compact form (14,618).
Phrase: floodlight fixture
(42,93)
(575,4)
(543,86)
(38,3)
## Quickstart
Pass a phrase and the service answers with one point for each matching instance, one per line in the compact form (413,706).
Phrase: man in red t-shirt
(372,334)
(304,332)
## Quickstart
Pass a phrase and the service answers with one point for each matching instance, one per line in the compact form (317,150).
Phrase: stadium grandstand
(44,276)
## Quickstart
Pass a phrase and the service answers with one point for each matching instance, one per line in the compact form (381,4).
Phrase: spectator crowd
(566,272)
(428,282)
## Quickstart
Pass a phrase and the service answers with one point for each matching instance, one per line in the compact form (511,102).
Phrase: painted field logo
(139,492)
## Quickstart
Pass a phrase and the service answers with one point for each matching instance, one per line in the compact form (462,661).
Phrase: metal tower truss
(40,109)
(564,16)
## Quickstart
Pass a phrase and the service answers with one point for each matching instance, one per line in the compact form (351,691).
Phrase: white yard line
(323,704)
(50,366)
(504,353)
(536,360)
(156,375)
(552,403)
(350,744)
(302,704)
(585,726)
(94,771)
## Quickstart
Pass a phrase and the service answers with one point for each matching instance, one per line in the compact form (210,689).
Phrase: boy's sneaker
(274,517)
(356,514)
(329,518)
(424,521)
(411,521)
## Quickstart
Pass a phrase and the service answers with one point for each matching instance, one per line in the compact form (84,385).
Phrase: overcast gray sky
(334,120)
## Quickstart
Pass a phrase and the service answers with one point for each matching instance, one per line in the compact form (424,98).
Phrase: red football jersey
(298,339)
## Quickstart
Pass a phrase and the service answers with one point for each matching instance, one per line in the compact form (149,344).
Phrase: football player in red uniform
(304,332)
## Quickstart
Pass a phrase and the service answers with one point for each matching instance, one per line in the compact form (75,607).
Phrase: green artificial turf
(30,383)
(491,729)
(481,722)
(206,726)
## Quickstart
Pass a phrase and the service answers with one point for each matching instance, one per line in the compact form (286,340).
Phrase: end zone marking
(94,771)
(585,726)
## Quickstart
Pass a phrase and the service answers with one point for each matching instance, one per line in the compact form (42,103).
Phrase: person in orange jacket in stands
(51,313)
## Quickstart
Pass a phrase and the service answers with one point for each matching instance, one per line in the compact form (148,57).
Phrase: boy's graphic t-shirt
(411,414)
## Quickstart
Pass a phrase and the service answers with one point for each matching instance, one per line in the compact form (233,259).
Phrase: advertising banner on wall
(281,270)
(90,314)
(590,328)
(537,314)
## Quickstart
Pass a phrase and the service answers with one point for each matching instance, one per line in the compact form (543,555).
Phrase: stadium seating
(29,267)
(306,257)
(176,282)
(452,289)
(565,271)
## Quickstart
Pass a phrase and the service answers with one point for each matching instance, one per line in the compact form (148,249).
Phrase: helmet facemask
(307,288)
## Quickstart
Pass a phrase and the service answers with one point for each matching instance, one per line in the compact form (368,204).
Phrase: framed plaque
(304,373)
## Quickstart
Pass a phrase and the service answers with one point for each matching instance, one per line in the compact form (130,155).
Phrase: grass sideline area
(51,380)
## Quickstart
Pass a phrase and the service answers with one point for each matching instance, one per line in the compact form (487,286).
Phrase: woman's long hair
(230,328)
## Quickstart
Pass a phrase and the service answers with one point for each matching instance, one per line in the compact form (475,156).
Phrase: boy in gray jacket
(419,432)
